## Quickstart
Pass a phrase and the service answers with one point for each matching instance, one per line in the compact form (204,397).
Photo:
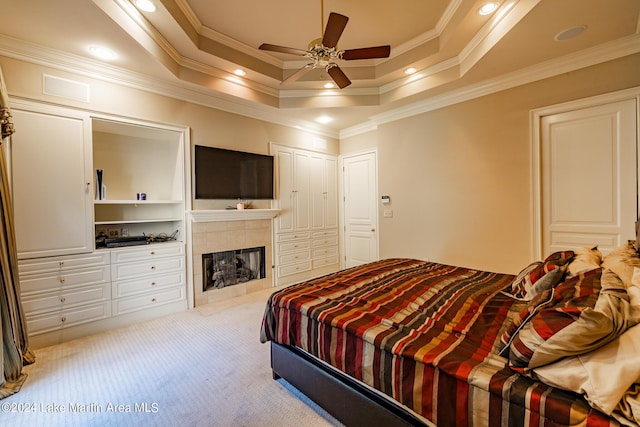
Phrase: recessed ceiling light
(410,70)
(102,52)
(240,72)
(324,119)
(488,8)
(328,85)
(570,33)
(145,5)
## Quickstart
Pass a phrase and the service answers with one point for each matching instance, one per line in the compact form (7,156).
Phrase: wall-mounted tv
(227,174)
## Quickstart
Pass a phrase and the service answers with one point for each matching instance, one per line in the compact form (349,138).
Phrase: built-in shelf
(139,221)
(138,202)
(136,158)
(231,214)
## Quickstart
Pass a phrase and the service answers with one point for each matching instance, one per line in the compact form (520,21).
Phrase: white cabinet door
(51,182)
(317,189)
(284,191)
(330,192)
(302,190)
(324,185)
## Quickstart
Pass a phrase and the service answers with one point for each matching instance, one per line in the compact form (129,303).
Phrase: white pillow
(603,375)
(634,289)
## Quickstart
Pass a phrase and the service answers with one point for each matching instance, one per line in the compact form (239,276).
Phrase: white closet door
(589,191)
(360,209)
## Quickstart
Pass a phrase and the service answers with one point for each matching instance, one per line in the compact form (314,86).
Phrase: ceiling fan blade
(301,72)
(334,29)
(339,77)
(282,49)
(367,52)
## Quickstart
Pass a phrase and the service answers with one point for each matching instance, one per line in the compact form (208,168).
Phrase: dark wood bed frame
(346,399)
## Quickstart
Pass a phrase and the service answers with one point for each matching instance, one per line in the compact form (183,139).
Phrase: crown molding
(360,129)
(190,92)
(585,58)
(181,90)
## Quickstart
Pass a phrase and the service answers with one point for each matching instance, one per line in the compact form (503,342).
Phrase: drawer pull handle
(153,253)
(153,283)
(63,299)
(153,267)
(63,319)
(62,280)
(61,263)
(153,300)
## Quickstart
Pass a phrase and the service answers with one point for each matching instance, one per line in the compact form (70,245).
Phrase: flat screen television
(222,174)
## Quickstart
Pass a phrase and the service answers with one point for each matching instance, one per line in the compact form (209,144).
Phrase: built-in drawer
(45,282)
(148,300)
(40,324)
(62,300)
(325,233)
(298,256)
(287,270)
(323,262)
(324,241)
(152,251)
(293,246)
(325,251)
(286,237)
(150,267)
(47,265)
(125,288)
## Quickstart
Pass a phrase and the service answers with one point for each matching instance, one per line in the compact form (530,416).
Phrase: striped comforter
(426,335)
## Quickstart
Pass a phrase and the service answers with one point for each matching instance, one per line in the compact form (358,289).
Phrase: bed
(410,342)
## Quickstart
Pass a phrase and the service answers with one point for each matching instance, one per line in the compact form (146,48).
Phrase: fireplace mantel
(231,214)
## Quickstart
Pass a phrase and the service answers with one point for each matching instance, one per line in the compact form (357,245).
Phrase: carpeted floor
(204,367)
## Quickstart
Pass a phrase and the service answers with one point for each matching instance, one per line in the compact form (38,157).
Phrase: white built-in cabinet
(70,287)
(306,228)
(50,162)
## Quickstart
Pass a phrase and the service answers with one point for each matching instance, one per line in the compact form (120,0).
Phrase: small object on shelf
(118,242)
(141,196)
(99,185)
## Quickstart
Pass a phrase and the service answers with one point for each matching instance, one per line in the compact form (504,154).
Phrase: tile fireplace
(211,234)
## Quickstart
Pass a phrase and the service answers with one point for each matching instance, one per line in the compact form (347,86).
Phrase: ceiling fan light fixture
(410,70)
(328,85)
(324,52)
(240,73)
(488,8)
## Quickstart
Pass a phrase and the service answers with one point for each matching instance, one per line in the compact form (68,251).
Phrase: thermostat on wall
(386,200)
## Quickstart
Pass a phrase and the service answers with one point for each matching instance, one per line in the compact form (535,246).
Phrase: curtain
(15,345)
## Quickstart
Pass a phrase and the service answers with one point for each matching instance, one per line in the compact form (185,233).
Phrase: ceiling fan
(324,53)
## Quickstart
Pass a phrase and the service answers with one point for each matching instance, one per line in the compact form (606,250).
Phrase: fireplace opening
(227,268)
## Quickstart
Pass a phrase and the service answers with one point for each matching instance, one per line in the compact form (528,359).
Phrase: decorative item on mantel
(241,205)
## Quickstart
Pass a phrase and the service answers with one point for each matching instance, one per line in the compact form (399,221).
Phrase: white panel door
(360,209)
(589,192)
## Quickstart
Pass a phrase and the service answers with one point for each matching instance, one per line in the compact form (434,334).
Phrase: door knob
(373,230)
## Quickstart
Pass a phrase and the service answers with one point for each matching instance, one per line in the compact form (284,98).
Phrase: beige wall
(209,126)
(459,177)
